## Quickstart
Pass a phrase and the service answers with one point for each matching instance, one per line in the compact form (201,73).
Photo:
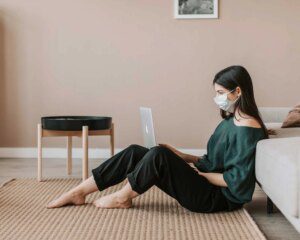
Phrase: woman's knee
(159,149)
(137,148)
(156,150)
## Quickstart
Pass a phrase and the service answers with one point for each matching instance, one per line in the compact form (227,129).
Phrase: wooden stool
(84,133)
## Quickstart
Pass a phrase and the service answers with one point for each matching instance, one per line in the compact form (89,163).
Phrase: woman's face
(231,96)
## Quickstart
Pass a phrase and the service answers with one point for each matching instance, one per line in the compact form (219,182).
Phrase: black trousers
(163,168)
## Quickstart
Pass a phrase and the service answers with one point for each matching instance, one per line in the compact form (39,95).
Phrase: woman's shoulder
(248,122)
(244,119)
(247,129)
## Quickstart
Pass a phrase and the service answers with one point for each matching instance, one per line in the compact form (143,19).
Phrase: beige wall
(110,57)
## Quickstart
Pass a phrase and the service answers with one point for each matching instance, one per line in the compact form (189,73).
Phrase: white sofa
(277,165)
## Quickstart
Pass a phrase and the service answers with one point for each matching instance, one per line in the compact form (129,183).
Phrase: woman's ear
(239,91)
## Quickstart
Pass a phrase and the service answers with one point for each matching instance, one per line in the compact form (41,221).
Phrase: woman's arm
(214,178)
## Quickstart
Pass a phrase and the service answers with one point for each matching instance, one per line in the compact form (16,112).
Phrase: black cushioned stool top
(75,123)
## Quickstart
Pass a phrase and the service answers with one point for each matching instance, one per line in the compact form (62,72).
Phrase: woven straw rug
(154,215)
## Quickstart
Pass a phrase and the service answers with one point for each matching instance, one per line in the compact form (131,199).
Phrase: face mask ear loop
(233,90)
(226,93)
(230,91)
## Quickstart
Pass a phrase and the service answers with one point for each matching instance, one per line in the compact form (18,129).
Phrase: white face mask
(224,103)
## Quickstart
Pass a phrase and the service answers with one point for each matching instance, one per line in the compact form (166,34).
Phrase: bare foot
(69,198)
(113,200)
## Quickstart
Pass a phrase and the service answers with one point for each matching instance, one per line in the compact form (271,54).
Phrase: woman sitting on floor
(221,180)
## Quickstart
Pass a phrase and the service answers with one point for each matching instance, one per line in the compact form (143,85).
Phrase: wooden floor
(275,226)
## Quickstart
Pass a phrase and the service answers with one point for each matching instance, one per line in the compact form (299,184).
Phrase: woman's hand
(199,172)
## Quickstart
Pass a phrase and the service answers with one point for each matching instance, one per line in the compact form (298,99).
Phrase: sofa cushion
(277,169)
(283,132)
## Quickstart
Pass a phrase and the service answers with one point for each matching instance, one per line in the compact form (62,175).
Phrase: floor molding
(76,152)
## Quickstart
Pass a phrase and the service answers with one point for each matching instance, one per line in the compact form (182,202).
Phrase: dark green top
(231,151)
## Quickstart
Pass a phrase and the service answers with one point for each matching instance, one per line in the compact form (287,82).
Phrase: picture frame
(189,9)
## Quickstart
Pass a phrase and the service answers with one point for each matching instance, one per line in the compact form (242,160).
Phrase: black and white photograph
(196,8)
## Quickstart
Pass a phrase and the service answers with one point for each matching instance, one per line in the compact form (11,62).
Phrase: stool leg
(39,143)
(85,132)
(112,140)
(69,157)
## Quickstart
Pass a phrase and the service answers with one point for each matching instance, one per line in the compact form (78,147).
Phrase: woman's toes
(67,198)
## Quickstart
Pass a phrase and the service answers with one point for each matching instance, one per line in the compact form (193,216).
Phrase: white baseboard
(76,152)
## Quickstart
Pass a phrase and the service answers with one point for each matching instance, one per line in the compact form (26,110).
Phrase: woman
(221,180)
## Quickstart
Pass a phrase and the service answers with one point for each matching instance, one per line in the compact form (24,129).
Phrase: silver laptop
(147,127)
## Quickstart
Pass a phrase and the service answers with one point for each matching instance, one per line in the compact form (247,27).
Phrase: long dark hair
(237,76)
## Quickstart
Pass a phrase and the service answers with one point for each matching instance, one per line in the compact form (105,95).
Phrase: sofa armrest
(277,169)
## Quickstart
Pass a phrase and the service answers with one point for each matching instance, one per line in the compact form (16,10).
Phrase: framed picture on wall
(196,9)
